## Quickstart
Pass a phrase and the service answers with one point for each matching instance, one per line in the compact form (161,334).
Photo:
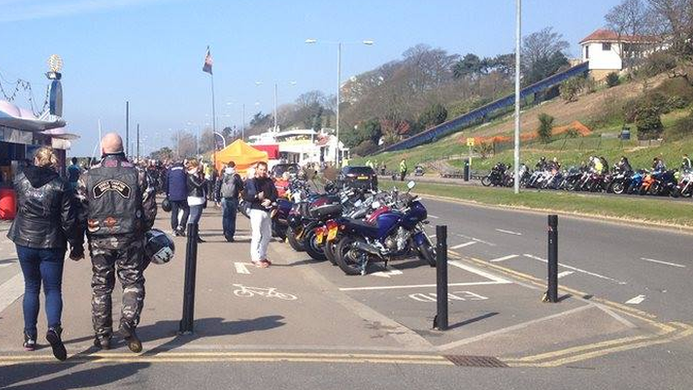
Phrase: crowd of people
(111,206)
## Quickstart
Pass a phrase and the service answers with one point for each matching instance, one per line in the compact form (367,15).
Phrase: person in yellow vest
(402,169)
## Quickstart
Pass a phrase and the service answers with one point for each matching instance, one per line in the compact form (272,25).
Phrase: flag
(208,62)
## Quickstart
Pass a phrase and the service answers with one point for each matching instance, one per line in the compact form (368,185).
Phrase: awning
(23,119)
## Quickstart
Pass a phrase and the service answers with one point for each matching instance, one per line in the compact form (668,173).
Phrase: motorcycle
(396,233)
(684,187)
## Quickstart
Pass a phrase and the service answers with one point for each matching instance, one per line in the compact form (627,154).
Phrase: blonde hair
(192,163)
(45,158)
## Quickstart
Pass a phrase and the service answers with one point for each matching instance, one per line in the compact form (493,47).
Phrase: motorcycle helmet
(158,247)
(166,205)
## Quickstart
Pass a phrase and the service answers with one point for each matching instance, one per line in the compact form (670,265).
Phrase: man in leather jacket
(117,208)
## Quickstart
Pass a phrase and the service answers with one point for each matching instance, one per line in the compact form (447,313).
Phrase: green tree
(648,122)
(432,116)
(469,66)
(545,129)
(542,55)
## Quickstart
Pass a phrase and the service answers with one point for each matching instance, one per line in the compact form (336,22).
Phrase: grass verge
(649,210)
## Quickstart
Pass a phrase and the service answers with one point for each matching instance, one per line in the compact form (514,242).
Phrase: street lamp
(258,83)
(339,83)
(518,37)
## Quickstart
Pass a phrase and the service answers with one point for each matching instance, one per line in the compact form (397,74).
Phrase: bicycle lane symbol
(267,292)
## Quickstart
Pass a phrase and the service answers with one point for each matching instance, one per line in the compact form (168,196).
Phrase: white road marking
(389,271)
(241,268)
(432,235)
(509,232)
(508,257)
(433,216)
(3,265)
(476,239)
(463,245)
(479,272)
(456,296)
(663,262)
(636,300)
(418,286)
(576,269)
(11,290)
(564,273)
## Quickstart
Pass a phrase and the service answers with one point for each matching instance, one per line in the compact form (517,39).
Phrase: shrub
(612,79)
(572,133)
(365,148)
(484,149)
(656,63)
(589,85)
(648,123)
(570,89)
(545,129)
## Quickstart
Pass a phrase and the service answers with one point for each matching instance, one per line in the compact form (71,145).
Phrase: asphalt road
(375,331)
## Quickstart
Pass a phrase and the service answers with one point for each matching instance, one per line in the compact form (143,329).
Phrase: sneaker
(29,342)
(229,238)
(102,342)
(53,337)
(199,240)
(261,263)
(130,336)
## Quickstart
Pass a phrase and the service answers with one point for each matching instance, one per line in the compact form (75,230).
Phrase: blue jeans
(195,214)
(41,265)
(229,208)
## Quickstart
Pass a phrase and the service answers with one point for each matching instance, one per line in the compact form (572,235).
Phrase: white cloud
(18,10)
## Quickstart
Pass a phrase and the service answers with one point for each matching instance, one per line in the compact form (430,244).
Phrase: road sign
(470,141)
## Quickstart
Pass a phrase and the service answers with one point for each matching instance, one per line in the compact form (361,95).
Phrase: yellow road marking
(665,333)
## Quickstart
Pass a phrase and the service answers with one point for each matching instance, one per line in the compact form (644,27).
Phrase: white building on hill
(606,50)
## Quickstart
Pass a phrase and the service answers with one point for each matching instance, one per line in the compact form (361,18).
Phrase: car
(278,170)
(361,177)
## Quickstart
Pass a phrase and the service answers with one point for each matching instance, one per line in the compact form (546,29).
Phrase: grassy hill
(601,111)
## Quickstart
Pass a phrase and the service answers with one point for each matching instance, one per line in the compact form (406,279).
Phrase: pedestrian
(73,172)
(176,188)
(45,219)
(196,193)
(402,169)
(231,187)
(117,209)
(686,163)
(260,193)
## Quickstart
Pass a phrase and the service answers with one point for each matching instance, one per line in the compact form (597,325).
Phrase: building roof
(603,35)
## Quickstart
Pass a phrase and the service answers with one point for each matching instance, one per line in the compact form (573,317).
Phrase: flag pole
(214,124)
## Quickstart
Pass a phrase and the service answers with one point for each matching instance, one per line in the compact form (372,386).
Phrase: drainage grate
(475,361)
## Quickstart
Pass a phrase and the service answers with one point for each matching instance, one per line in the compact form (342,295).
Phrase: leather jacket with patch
(115,199)
(46,216)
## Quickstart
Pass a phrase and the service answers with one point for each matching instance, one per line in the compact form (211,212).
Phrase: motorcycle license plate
(362,178)
(319,237)
(331,234)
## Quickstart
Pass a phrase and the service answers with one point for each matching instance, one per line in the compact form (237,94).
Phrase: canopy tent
(242,154)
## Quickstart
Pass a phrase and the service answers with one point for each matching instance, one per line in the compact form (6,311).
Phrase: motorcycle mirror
(411,184)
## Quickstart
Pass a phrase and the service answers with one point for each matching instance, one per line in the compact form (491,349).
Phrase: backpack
(228,187)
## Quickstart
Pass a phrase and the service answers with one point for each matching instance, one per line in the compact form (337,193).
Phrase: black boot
(130,336)
(53,337)
(102,342)
(29,342)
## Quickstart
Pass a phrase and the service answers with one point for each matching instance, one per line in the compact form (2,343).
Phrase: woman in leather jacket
(45,219)
(196,193)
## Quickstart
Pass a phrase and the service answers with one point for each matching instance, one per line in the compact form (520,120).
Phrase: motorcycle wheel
(295,244)
(617,187)
(331,250)
(312,248)
(428,253)
(486,181)
(655,189)
(344,257)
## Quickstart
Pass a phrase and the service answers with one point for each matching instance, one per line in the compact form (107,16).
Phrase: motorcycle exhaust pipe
(370,249)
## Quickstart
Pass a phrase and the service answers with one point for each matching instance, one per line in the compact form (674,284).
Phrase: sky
(151,52)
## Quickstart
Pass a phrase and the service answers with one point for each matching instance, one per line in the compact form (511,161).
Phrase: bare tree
(675,17)
(542,53)
(634,23)
(185,144)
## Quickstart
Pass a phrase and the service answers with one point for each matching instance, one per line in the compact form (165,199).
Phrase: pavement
(623,319)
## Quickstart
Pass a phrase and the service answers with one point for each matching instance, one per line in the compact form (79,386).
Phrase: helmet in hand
(158,247)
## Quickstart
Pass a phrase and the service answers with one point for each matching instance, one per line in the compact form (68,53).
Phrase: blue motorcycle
(393,232)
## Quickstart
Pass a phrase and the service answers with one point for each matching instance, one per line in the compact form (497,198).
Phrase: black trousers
(179,205)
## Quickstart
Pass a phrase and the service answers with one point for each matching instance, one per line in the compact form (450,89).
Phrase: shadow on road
(91,376)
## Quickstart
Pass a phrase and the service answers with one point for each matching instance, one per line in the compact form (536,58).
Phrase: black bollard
(552,292)
(186,323)
(440,321)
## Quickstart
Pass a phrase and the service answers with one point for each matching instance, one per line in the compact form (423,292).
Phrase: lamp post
(276,86)
(339,84)
(518,37)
